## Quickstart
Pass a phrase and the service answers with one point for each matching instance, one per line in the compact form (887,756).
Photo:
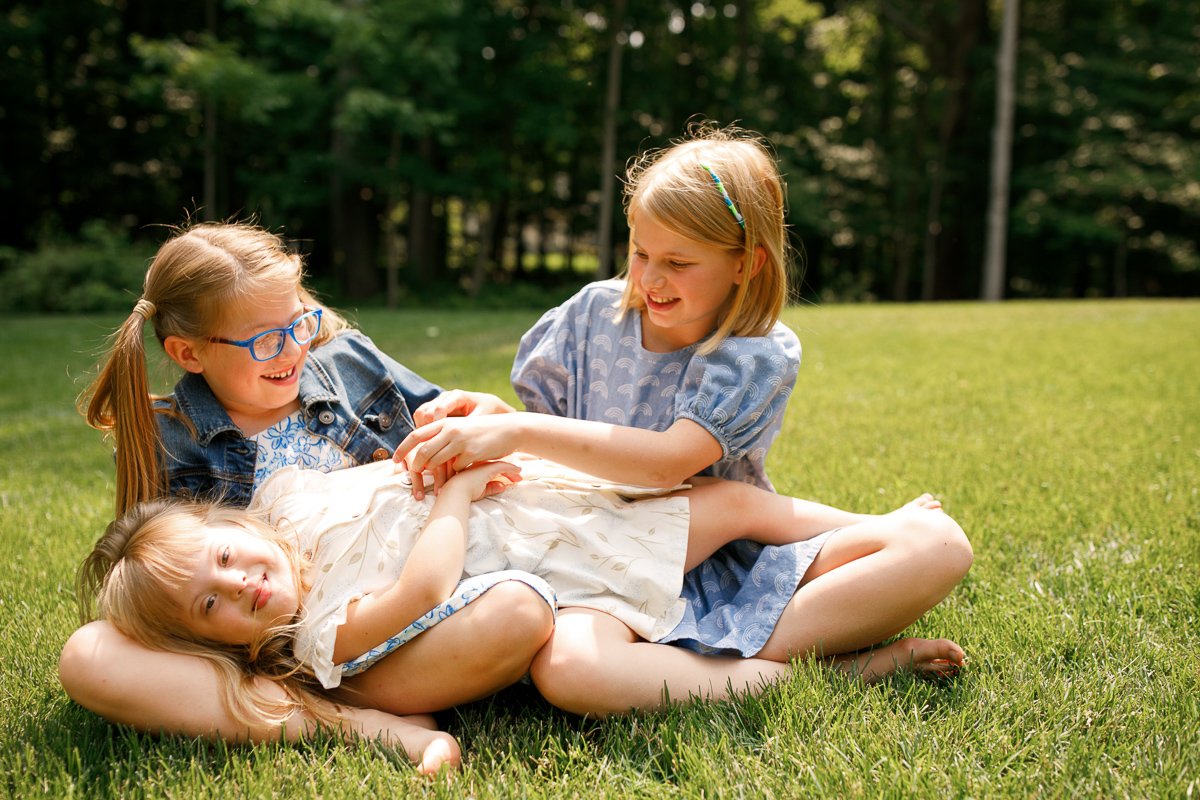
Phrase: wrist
(456,489)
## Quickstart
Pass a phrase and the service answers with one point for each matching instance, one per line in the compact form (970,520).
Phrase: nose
(233,582)
(290,347)
(653,274)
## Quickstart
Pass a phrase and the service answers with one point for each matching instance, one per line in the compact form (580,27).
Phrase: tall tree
(608,158)
(997,236)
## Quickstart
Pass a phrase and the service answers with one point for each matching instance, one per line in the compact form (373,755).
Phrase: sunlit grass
(1064,436)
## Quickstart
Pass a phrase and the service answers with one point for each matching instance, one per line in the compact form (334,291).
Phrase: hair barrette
(733,209)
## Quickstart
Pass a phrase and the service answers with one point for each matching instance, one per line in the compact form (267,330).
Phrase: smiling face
(255,394)
(241,584)
(685,284)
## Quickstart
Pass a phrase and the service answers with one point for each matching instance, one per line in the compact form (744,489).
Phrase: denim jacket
(350,393)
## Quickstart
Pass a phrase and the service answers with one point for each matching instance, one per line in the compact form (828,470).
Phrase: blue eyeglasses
(268,344)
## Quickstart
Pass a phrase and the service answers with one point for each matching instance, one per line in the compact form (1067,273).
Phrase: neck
(252,424)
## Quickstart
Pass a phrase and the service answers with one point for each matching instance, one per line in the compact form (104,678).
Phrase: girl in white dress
(324,568)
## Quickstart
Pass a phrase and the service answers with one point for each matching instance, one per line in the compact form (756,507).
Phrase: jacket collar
(196,401)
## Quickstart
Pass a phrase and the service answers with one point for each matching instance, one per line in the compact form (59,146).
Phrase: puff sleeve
(738,392)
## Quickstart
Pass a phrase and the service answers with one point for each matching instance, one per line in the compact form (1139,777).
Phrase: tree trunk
(608,154)
(209,212)
(391,236)
(997,235)
(479,270)
(953,64)
(351,227)
(420,223)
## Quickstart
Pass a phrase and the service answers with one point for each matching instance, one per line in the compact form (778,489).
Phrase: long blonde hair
(676,188)
(134,576)
(196,278)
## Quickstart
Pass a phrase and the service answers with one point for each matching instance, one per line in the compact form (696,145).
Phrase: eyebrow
(670,253)
(254,330)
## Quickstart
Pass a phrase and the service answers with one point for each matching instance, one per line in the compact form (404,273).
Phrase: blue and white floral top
(289,442)
(580,361)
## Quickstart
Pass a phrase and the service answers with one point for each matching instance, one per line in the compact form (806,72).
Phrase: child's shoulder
(597,303)
(603,293)
(781,342)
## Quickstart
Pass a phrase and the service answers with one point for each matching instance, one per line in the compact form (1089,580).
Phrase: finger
(401,452)
(510,472)
(413,439)
(440,476)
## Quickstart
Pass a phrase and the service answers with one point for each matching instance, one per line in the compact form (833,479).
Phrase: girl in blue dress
(683,368)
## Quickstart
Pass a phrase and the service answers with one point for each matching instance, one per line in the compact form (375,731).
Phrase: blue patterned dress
(580,361)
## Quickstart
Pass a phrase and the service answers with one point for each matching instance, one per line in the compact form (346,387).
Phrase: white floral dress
(591,540)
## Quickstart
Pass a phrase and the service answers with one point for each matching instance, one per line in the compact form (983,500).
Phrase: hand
(455,443)
(485,479)
(459,403)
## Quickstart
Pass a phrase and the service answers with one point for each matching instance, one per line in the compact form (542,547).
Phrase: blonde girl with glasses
(270,378)
(682,368)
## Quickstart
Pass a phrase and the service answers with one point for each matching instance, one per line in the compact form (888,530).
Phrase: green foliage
(433,138)
(1063,436)
(103,271)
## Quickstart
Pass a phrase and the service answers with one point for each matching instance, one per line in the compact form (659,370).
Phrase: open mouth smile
(659,302)
(282,376)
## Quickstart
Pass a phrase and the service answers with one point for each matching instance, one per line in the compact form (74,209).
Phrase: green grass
(1064,436)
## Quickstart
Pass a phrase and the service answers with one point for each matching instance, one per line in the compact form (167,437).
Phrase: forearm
(434,567)
(618,452)
(160,692)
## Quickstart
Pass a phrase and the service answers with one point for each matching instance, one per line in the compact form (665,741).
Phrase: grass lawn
(1065,437)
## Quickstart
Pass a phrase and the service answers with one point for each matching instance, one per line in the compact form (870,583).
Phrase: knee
(568,674)
(943,544)
(513,619)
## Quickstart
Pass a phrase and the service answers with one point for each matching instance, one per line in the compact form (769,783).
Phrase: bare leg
(595,665)
(723,511)
(123,682)
(160,692)
(490,648)
(871,581)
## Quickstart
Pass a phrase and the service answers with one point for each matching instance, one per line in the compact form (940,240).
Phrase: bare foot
(931,658)
(441,751)
(926,501)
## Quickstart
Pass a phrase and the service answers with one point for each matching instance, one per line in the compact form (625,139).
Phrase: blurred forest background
(423,152)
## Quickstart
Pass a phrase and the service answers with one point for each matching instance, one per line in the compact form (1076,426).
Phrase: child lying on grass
(309,584)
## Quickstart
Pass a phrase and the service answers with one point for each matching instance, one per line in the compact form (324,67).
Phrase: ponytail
(120,403)
(197,275)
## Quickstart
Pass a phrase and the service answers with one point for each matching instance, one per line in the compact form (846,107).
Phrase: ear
(760,258)
(184,353)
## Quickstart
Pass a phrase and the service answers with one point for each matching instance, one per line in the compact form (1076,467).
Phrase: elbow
(82,669)
(671,475)
(667,481)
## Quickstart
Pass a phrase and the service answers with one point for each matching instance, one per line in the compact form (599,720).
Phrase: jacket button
(380,454)
(385,421)
(326,417)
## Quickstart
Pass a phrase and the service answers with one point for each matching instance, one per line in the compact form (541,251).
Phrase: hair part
(133,578)
(198,279)
(671,187)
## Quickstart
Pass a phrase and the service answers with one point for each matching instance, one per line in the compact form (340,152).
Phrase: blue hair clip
(733,209)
